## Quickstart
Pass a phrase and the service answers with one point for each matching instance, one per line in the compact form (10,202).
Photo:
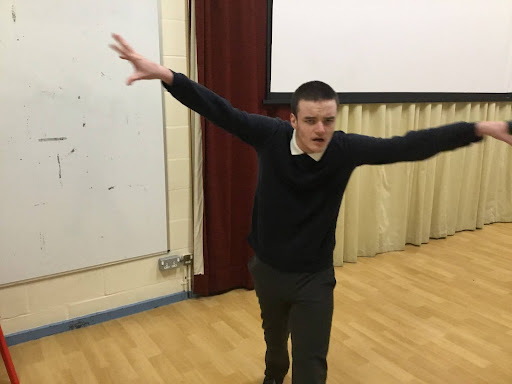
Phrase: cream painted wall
(47,301)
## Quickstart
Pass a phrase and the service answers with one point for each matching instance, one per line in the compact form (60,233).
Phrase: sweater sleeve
(253,129)
(415,145)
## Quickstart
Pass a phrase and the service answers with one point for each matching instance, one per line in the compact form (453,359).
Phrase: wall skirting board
(95,318)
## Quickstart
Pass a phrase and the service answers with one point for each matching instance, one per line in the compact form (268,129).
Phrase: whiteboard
(421,46)
(82,162)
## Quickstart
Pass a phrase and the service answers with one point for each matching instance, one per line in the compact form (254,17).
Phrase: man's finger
(122,42)
(136,76)
(117,49)
(130,80)
(122,55)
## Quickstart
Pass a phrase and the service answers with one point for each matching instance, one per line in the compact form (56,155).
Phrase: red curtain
(231,44)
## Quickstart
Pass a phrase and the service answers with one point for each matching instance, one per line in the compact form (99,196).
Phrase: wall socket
(187,259)
(171,262)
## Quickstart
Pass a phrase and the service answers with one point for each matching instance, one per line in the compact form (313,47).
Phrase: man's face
(314,124)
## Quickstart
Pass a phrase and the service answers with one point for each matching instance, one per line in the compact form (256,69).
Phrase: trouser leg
(271,290)
(310,326)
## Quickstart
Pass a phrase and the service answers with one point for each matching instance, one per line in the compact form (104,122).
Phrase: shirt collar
(295,150)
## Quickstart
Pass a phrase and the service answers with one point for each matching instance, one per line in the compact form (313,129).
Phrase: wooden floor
(440,313)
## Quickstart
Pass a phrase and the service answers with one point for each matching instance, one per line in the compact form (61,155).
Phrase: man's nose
(320,128)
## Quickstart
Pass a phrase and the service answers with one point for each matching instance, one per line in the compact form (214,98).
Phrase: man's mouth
(319,140)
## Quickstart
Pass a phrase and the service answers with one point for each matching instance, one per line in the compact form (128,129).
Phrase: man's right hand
(144,69)
(497,129)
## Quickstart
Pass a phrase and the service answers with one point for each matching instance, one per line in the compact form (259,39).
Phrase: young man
(304,167)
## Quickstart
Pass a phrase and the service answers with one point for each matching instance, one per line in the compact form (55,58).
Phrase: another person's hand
(144,69)
(497,129)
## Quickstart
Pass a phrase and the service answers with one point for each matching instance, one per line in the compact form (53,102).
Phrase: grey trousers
(300,304)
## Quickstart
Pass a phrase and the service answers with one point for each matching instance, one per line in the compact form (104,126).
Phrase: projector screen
(392,50)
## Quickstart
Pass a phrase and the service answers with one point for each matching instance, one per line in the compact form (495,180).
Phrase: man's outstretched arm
(425,143)
(254,129)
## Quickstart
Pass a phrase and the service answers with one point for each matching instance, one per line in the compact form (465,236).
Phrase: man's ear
(293,120)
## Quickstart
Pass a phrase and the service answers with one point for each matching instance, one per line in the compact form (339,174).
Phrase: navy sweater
(297,198)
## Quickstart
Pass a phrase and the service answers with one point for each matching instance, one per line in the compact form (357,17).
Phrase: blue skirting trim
(95,318)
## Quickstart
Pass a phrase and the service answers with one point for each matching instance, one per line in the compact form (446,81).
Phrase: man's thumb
(133,78)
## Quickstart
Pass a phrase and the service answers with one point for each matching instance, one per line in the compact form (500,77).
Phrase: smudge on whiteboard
(53,139)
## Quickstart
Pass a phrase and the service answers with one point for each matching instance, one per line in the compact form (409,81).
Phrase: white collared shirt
(295,150)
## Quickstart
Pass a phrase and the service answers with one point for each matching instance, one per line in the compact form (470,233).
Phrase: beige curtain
(387,206)
(197,151)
